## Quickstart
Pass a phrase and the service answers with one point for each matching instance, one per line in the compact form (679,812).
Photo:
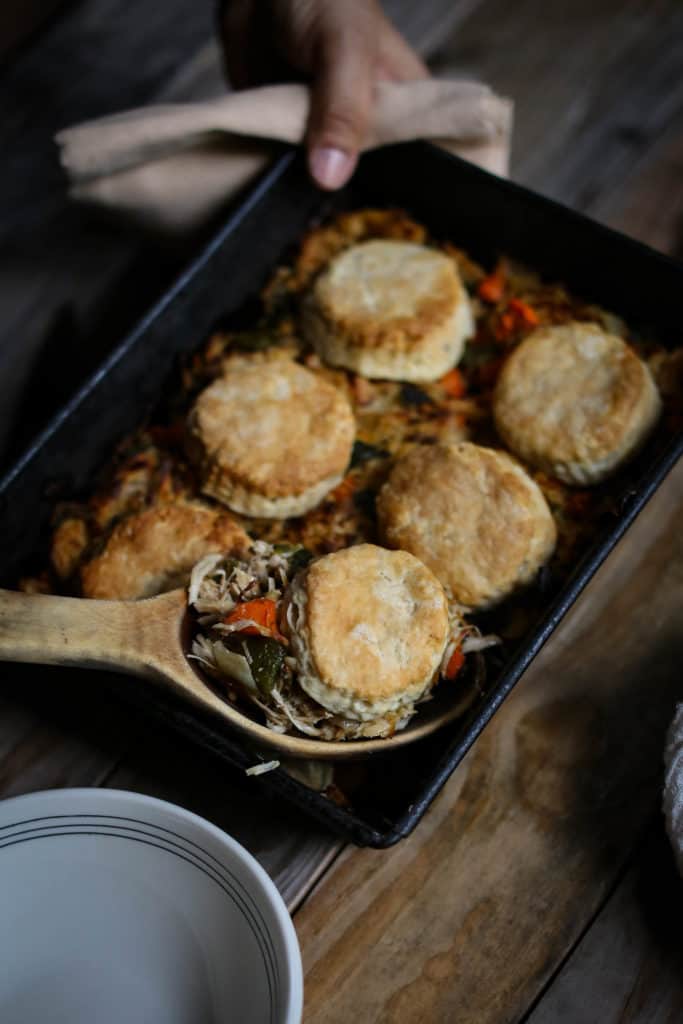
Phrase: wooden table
(540,885)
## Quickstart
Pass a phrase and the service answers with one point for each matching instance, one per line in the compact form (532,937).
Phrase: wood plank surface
(649,204)
(467,919)
(595,85)
(629,965)
(54,735)
(71,283)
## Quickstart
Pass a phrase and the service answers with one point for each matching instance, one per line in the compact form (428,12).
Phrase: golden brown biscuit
(155,550)
(69,542)
(271,437)
(368,629)
(389,309)
(575,401)
(472,515)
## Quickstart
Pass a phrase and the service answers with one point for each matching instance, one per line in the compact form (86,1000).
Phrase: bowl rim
(106,799)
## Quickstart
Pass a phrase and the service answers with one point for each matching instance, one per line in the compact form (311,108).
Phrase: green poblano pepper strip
(266,659)
(299,560)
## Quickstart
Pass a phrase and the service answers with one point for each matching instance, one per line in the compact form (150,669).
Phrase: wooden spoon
(150,639)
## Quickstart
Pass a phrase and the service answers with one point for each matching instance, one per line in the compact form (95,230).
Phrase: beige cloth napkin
(175,165)
(672,802)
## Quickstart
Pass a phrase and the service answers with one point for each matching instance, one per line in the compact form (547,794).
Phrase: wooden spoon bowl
(150,639)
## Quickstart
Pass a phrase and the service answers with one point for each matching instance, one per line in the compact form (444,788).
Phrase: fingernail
(331,168)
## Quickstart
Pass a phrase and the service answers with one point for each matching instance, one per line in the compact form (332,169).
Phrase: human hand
(343,47)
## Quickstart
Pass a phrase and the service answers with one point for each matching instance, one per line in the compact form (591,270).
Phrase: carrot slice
(453,384)
(526,313)
(262,611)
(517,316)
(455,663)
(492,288)
(344,490)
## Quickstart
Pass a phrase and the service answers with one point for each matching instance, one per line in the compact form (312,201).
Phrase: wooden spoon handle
(69,631)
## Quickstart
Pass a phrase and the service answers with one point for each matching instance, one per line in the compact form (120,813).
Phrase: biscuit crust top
(472,515)
(272,427)
(155,550)
(574,400)
(376,625)
(388,294)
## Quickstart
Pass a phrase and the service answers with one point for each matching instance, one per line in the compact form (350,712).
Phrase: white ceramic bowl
(119,907)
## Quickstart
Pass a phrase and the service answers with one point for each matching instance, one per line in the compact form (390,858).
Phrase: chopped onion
(233,665)
(238,625)
(261,769)
(202,569)
(479,643)
(316,775)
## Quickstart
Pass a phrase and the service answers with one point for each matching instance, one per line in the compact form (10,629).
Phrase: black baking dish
(456,201)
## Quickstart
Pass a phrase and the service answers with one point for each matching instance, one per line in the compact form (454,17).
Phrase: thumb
(342,103)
